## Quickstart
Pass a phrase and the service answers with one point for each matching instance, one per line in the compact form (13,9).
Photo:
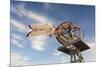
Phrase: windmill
(68,34)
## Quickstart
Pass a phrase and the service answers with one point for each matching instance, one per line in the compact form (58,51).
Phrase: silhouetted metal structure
(70,36)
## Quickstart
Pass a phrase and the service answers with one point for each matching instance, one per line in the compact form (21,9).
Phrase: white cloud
(89,55)
(20,26)
(92,45)
(38,42)
(15,10)
(16,42)
(16,36)
(19,59)
(21,11)
(33,15)
(63,58)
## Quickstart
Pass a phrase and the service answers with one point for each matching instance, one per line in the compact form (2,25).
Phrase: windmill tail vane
(40,29)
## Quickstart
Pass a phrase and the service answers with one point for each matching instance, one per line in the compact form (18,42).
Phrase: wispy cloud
(19,25)
(16,36)
(62,58)
(38,42)
(22,11)
(92,45)
(89,55)
(16,42)
(19,59)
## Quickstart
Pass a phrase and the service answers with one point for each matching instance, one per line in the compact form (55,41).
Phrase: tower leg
(76,53)
(71,55)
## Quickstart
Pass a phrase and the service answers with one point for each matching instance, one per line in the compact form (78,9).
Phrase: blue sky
(43,49)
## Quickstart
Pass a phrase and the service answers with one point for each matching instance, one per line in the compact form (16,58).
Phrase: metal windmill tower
(68,34)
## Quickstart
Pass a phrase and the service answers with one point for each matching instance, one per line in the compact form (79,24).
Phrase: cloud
(16,36)
(22,11)
(16,42)
(89,55)
(20,26)
(38,42)
(19,59)
(37,17)
(15,10)
(63,58)
(92,45)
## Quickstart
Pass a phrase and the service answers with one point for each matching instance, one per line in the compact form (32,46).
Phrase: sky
(43,49)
